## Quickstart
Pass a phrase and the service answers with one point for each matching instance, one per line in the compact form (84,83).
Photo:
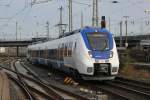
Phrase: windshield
(98,41)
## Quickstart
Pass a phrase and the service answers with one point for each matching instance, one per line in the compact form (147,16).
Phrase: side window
(49,54)
(46,52)
(58,52)
(65,50)
(75,45)
(70,49)
(61,51)
(55,54)
(40,53)
(29,52)
(37,53)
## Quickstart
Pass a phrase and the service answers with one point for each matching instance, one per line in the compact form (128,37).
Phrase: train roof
(82,30)
(95,29)
(87,28)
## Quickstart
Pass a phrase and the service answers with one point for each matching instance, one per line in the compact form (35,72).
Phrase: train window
(98,41)
(70,49)
(46,53)
(55,53)
(29,52)
(75,44)
(65,50)
(67,45)
(32,53)
(62,51)
(52,53)
(40,53)
(49,54)
(36,53)
(58,57)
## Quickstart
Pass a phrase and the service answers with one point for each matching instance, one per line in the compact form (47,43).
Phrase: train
(89,53)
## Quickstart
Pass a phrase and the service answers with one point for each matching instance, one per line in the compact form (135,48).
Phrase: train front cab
(104,62)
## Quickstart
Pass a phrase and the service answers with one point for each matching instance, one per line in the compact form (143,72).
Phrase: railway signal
(126,23)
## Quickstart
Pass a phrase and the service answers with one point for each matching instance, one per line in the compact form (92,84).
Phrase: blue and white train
(89,53)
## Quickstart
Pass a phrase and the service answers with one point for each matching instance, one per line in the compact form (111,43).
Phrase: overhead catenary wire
(81,3)
(87,5)
(8,4)
(16,14)
(114,13)
(19,12)
(39,2)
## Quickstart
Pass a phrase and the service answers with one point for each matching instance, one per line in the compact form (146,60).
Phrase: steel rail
(35,76)
(48,86)
(110,88)
(23,83)
(53,93)
(27,94)
(30,87)
(134,85)
(133,81)
(128,89)
(103,89)
(79,97)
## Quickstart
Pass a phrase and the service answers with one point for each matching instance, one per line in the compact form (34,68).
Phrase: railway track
(77,96)
(52,92)
(125,89)
(6,61)
(3,60)
(120,88)
(135,86)
(26,86)
(95,90)
(109,90)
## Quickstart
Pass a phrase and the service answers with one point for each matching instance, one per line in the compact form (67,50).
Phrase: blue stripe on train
(101,55)
(55,64)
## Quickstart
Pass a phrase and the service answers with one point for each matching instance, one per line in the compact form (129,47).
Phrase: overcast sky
(32,19)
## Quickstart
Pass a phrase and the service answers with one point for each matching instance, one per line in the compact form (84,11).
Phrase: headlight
(90,69)
(90,53)
(111,54)
(114,69)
